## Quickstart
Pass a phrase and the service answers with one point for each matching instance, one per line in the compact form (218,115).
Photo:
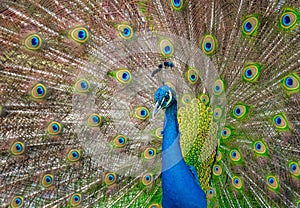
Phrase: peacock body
(79,80)
(177,178)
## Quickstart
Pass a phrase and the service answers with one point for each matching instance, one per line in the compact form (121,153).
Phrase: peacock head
(163,98)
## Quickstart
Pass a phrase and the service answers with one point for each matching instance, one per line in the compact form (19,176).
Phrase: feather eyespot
(217,170)
(209,44)
(217,113)
(39,91)
(17,148)
(141,113)
(82,86)
(218,87)
(251,72)
(122,75)
(79,34)
(294,168)
(166,48)
(74,155)
(120,141)
(280,122)
(250,25)
(186,98)
(125,31)
(237,182)
(291,83)
(158,133)
(240,111)
(110,178)
(149,153)
(47,180)
(211,192)
(289,19)
(17,202)
(226,132)
(177,4)
(54,128)
(192,75)
(75,199)
(235,155)
(147,179)
(204,98)
(94,120)
(260,148)
(33,42)
(272,182)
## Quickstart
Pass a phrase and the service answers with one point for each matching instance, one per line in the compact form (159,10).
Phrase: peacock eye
(75,199)
(167,97)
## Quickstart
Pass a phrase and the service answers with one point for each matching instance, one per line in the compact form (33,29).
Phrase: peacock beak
(156,109)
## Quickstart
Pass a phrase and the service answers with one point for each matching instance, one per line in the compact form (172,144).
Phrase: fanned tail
(77,80)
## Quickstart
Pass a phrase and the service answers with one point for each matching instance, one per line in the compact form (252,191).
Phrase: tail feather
(77,80)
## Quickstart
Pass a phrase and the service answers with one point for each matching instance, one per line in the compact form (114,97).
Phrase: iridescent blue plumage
(77,80)
(180,185)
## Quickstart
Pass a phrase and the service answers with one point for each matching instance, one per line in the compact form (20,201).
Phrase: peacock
(149,103)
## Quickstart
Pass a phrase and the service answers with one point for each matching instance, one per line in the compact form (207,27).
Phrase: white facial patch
(170,99)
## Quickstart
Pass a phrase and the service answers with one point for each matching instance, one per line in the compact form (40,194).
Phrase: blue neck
(171,144)
(171,129)
(180,188)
